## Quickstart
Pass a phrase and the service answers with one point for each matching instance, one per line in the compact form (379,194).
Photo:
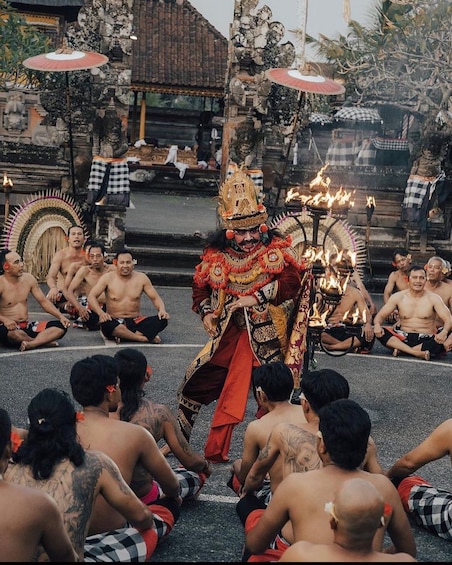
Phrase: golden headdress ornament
(240,203)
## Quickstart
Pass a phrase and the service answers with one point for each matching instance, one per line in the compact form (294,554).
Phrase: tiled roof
(177,50)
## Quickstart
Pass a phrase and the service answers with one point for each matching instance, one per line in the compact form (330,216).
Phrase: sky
(324,16)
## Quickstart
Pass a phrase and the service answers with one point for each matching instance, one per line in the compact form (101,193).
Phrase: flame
(319,181)
(317,255)
(370,202)
(323,198)
(317,319)
(7,181)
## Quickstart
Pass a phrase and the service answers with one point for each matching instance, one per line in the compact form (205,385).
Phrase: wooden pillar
(143,117)
(133,131)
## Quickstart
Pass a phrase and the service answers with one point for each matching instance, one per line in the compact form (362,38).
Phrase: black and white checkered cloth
(367,154)
(390,144)
(356,114)
(118,181)
(128,544)
(190,483)
(432,509)
(417,188)
(124,544)
(342,153)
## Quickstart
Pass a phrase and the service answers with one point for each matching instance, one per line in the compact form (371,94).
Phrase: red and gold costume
(244,339)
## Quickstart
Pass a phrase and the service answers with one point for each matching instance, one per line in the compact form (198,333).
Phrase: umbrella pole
(71,140)
(292,137)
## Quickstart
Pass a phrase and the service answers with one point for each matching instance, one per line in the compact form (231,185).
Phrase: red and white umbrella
(305,81)
(65,59)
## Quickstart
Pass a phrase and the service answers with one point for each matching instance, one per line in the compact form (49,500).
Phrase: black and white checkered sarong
(432,508)
(109,179)
(124,544)
(390,143)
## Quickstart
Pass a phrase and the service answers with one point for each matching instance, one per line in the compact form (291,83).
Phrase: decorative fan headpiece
(36,229)
(240,203)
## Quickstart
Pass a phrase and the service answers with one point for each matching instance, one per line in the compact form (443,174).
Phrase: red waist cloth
(231,404)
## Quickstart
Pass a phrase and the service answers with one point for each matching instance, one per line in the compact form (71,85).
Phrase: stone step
(168,256)
(168,276)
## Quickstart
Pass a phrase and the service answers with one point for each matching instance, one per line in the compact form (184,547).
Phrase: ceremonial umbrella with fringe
(65,60)
(303,80)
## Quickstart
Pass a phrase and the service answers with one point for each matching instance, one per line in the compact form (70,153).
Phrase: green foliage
(18,41)
(404,56)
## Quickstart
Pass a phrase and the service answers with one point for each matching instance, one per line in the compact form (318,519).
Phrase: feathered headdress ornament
(240,203)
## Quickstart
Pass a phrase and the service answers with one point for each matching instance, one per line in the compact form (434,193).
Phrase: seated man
(51,460)
(398,279)
(431,507)
(436,268)
(31,519)
(62,261)
(349,326)
(292,444)
(356,513)
(81,284)
(296,510)
(272,385)
(95,386)
(134,373)
(15,288)
(417,332)
(122,289)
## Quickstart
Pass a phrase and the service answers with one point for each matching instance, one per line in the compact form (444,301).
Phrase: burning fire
(370,202)
(7,181)
(323,198)
(317,319)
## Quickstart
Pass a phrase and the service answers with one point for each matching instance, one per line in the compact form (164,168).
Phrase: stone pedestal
(109,222)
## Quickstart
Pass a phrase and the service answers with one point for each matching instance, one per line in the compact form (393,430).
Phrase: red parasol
(306,82)
(303,81)
(66,59)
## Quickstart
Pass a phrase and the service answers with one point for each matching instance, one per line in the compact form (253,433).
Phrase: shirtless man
(51,460)
(61,262)
(123,289)
(341,331)
(419,309)
(293,444)
(355,279)
(194,469)
(95,386)
(272,385)
(82,283)
(431,507)
(73,268)
(436,268)
(30,519)
(356,513)
(342,442)
(398,279)
(15,288)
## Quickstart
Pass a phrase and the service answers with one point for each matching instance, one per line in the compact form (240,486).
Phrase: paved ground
(406,398)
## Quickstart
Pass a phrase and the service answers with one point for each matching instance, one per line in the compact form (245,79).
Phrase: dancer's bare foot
(157,339)
(395,352)
(25,346)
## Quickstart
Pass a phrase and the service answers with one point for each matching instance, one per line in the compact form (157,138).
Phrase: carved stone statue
(15,116)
